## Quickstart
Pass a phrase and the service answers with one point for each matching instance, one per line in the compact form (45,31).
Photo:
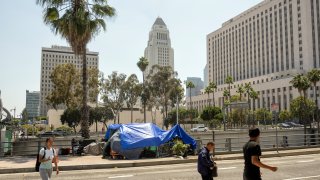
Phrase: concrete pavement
(289,168)
(67,163)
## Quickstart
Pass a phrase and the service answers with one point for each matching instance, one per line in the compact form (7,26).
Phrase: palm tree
(78,21)
(143,64)
(229,81)
(241,90)
(208,90)
(190,85)
(314,78)
(302,83)
(248,89)
(213,87)
(253,95)
(226,94)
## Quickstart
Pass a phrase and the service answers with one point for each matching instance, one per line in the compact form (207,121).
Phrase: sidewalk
(67,163)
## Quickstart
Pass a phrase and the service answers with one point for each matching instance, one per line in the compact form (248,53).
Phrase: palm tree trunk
(214,103)
(85,110)
(96,125)
(317,107)
(131,113)
(208,99)
(190,99)
(144,102)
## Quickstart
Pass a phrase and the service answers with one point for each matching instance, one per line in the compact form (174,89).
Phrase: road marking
(306,161)
(114,177)
(307,177)
(227,168)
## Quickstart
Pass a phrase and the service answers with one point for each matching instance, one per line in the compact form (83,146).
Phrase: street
(290,168)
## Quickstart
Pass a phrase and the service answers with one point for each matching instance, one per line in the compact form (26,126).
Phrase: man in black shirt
(251,154)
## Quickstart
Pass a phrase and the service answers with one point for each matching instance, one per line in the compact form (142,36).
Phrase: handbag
(215,170)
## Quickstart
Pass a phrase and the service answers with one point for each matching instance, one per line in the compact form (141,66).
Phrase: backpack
(38,162)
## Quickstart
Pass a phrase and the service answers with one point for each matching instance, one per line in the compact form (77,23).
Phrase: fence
(31,147)
(270,142)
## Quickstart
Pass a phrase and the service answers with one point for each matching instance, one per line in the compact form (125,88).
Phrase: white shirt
(49,154)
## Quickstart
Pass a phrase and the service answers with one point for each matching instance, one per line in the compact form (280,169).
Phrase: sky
(23,33)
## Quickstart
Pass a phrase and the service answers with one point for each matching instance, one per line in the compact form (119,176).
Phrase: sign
(275,107)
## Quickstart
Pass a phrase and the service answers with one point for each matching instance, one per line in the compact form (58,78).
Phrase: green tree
(284,115)
(190,85)
(66,86)
(176,92)
(253,95)
(303,108)
(71,117)
(302,83)
(25,116)
(229,81)
(208,90)
(132,90)
(213,87)
(162,83)
(78,22)
(67,90)
(314,78)
(248,89)
(209,113)
(241,91)
(143,64)
(113,92)
(95,116)
(263,115)
(226,94)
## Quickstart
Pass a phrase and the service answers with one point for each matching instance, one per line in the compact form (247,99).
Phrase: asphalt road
(290,168)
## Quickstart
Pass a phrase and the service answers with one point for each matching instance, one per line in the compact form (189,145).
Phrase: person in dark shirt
(205,165)
(251,154)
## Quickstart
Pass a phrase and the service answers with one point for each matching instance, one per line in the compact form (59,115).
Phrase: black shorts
(251,178)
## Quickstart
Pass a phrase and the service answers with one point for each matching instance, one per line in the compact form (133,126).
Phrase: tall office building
(158,50)
(56,55)
(206,76)
(265,46)
(32,104)
(198,86)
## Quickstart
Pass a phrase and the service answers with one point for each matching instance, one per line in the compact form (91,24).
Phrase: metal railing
(31,147)
(272,142)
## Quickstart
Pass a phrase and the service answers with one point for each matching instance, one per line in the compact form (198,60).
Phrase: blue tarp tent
(134,136)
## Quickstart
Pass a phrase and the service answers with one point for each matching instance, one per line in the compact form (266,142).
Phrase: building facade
(56,55)
(206,76)
(265,46)
(198,86)
(32,104)
(158,50)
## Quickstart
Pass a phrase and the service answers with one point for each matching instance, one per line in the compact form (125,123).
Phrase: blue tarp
(134,136)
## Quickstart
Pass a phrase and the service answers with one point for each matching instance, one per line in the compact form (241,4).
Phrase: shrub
(179,148)
(66,129)
(30,129)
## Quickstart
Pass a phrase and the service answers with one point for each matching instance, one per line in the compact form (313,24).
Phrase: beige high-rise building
(159,51)
(265,46)
(56,55)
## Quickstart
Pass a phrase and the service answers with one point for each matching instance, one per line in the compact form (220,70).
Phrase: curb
(151,163)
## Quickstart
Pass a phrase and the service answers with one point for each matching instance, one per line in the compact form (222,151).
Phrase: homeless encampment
(129,140)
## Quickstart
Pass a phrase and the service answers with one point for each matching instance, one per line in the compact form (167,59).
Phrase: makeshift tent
(137,136)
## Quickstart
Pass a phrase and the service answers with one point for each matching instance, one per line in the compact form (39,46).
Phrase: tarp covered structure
(133,136)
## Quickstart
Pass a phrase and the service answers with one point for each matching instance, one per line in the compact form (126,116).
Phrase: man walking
(251,154)
(47,156)
(205,165)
